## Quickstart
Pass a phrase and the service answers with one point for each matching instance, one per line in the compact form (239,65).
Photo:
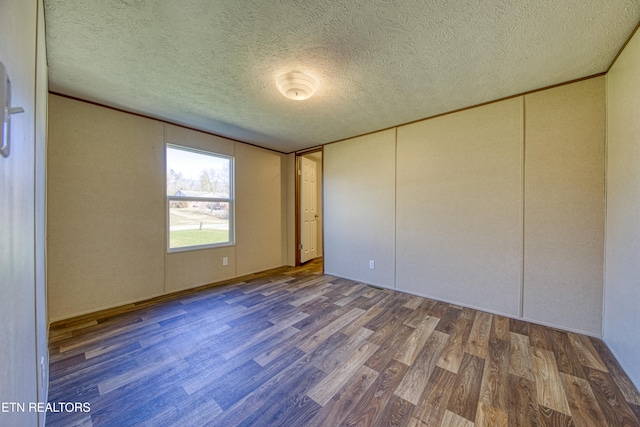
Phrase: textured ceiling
(211,65)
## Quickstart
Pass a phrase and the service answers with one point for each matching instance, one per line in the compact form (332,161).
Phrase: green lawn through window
(206,236)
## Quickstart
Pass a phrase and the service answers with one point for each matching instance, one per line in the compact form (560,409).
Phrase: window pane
(197,174)
(194,223)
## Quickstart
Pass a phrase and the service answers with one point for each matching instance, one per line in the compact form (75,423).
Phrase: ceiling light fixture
(296,85)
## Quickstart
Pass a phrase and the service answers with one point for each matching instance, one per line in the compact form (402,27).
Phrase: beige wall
(622,280)
(260,207)
(487,209)
(564,205)
(106,215)
(359,208)
(459,211)
(22,200)
(184,270)
(106,234)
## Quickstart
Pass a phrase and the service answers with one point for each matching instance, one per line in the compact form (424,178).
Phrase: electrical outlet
(225,260)
(372,264)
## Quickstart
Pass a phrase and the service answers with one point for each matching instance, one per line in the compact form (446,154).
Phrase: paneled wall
(622,280)
(105,208)
(106,213)
(564,205)
(359,208)
(185,270)
(483,217)
(459,211)
(260,201)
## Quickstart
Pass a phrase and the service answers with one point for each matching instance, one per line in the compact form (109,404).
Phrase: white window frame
(230,201)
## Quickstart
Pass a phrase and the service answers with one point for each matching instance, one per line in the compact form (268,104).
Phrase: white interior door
(308,209)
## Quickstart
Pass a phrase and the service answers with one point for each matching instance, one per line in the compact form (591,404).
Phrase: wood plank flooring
(293,347)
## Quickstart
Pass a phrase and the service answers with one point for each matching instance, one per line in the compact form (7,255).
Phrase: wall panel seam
(523,145)
(606,174)
(395,212)
(166,210)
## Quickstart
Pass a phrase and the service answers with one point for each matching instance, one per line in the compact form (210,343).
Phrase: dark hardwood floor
(293,347)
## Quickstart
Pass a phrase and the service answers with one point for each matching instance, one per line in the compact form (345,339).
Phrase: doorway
(309,206)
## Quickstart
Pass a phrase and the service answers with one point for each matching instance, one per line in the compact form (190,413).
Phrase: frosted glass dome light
(296,85)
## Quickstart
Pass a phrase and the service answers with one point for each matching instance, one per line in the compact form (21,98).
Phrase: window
(199,199)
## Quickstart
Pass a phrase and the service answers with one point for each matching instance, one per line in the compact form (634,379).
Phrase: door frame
(298,213)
